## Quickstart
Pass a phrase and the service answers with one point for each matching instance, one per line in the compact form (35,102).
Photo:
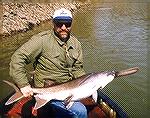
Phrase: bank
(20,17)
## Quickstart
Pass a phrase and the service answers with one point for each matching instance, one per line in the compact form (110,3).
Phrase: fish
(75,90)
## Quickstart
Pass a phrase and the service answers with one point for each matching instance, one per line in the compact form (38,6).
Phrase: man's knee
(79,109)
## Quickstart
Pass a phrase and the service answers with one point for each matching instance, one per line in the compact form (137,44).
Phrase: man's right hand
(27,91)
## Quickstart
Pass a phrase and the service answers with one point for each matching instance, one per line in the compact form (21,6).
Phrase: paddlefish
(75,90)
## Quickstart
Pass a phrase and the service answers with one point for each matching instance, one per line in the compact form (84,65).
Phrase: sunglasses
(60,24)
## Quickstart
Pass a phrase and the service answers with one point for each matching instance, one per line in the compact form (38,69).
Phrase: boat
(105,107)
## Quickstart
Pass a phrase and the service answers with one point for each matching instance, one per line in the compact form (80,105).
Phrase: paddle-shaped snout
(127,72)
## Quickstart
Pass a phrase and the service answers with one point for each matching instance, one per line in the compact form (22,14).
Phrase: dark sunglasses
(60,24)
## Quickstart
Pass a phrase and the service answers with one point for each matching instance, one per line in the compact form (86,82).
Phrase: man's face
(62,30)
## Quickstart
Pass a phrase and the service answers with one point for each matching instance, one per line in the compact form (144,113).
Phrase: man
(57,58)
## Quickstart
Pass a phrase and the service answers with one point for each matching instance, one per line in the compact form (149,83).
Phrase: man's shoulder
(42,34)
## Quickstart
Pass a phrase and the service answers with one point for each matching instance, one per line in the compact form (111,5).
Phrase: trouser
(56,109)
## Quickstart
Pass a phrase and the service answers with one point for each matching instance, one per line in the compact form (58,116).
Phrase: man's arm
(23,56)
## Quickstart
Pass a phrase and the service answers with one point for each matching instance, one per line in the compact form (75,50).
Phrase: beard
(63,35)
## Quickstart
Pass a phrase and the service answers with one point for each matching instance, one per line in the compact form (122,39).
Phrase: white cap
(62,14)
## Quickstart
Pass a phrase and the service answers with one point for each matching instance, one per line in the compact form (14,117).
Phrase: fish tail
(16,96)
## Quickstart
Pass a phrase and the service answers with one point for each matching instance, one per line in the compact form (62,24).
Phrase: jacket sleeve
(78,69)
(23,56)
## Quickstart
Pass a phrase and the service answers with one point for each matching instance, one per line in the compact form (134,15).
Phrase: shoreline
(21,17)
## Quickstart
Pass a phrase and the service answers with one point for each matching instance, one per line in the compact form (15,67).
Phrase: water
(114,36)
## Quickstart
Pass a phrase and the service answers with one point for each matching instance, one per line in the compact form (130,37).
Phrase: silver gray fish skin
(75,90)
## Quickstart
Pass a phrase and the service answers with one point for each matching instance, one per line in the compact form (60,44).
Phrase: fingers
(27,91)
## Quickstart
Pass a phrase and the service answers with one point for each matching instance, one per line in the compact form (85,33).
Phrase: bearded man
(57,58)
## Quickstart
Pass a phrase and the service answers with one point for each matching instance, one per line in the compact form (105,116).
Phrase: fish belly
(61,95)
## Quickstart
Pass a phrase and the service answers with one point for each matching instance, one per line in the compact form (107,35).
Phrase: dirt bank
(20,17)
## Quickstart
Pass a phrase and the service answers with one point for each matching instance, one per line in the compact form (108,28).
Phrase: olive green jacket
(50,58)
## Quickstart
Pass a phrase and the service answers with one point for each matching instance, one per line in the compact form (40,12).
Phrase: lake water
(114,36)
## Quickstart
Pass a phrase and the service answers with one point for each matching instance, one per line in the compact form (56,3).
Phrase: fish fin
(17,96)
(69,105)
(68,100)
(94,96)
(39,102)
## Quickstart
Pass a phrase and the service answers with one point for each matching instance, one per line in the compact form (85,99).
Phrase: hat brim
(62,19)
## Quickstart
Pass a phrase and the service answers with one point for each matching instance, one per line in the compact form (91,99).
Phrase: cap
(62,15)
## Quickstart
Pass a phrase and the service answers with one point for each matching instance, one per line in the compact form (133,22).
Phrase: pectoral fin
(94,96)
(68,99)
(68,102)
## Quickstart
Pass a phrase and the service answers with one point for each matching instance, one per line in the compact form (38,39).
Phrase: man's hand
(27,91)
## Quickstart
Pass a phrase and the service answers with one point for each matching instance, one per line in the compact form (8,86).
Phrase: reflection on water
(114,37)
(124,40)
